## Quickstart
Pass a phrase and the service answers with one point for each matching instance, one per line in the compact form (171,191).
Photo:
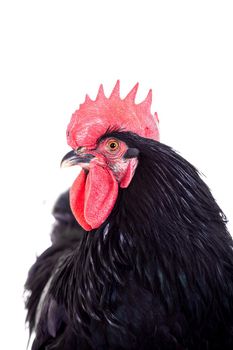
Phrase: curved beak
(73,158)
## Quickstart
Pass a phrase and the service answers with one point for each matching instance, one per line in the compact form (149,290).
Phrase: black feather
(65,236)
(158,274)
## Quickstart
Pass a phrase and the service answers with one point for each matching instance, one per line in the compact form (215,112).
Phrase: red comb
(94,118)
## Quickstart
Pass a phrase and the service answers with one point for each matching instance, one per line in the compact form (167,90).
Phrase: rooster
(154,266)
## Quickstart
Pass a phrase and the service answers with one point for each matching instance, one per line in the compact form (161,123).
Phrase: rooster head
(107,163)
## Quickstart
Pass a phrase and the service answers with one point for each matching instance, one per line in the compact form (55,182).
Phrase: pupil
(112,145)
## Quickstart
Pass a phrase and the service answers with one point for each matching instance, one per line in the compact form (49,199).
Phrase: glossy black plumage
(65,235)
(158,274)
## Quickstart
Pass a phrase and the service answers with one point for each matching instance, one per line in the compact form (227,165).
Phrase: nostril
(79,150)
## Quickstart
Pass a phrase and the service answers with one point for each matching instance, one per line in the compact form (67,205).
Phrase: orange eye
(113,145)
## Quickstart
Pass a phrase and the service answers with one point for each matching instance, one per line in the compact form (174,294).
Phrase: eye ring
(113,145)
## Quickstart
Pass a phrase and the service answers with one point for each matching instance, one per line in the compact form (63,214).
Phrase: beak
(72,158)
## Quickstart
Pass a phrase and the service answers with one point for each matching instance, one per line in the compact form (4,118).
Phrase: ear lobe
(131,153)
(129,173)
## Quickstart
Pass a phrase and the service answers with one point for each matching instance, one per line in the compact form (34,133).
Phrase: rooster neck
(169,221)
(166,231)
(167,217)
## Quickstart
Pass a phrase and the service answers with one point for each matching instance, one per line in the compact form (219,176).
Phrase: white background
(52,53)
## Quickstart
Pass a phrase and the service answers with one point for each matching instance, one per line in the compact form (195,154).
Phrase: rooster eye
(112,145)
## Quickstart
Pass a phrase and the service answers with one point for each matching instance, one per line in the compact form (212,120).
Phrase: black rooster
(154,268)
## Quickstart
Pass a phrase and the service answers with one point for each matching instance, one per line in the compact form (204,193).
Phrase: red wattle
(93,196)
(77,197)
